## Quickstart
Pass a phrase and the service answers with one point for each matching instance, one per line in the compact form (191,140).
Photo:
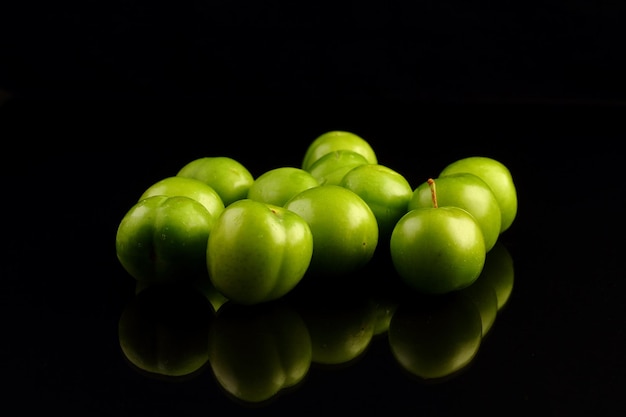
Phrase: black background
(133,91)
(428,50)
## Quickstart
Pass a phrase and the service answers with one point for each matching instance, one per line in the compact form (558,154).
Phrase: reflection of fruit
(437,249)
(334,141)
(499,179)
(383,312)
(203,285)
(499,273)
(384,190)
(229,177)
(341,328)
(216,298)
(494,285)
(278,185)
(163,331)
(256,352)
(468,192)
(483,295)
(330,168)
(435,338)
(164,239)
(344,228)
(258,252)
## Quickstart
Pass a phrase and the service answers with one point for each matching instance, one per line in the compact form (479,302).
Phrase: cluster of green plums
(256,238)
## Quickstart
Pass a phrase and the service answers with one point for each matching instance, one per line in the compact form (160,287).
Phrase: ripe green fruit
(336,140)
(466,191)
(229,177)
(384,190)
(258,351)
(258,252)
(164,239)
(499,179)
(278,185)
(330,168)
(344,228)
(187,187)
(437,250)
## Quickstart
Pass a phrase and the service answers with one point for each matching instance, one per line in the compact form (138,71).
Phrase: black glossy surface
(556,347)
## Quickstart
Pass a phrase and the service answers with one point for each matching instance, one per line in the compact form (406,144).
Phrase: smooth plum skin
(384,190)
(499,179)
(187,187)
(257,252)
(468,192)
(278,185)
(336,140)
(163,239)
(344,228)
(437,250)
(229,177)
(331,168)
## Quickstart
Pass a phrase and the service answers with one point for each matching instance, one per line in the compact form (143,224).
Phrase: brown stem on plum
(433,191)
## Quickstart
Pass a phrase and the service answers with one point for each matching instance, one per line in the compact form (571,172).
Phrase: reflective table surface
(542,331)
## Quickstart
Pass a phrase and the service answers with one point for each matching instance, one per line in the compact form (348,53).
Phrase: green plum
(336,140)
(187,187)
(385,191)
(437,250)
(497,176)
(257,352)
(163,331)
(229,177)
(278,185)
(330,168)
(257,252)
(344,228)
(434,339)
(466,191)
(164,239)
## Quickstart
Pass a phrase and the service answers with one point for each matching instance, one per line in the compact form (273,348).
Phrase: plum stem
(433,191)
